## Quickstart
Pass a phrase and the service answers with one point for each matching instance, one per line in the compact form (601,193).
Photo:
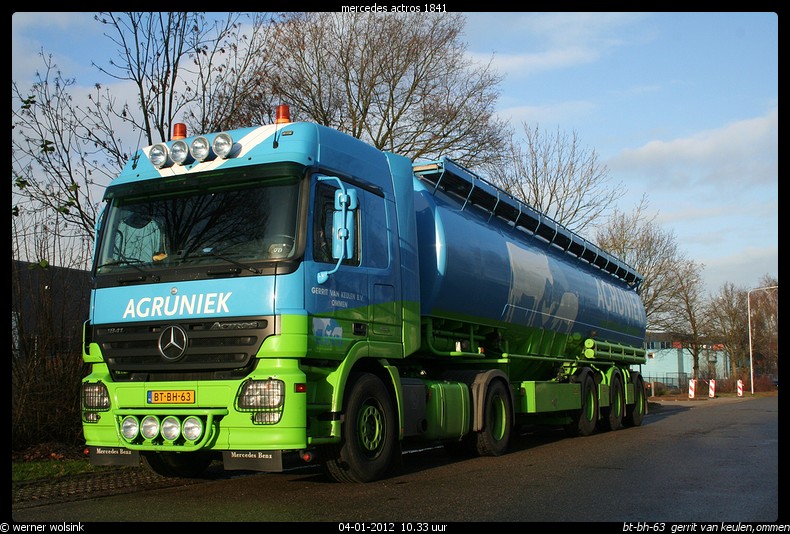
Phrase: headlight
(171,428)
(130,426)
(149,428)
(222,145)
(179,152)
(95,396)
(158,155)
(193,428)
(261,394)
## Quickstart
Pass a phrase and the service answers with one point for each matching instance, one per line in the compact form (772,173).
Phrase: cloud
(551,41)
(717,191)
(742,153)
(71,37)
(548,114)
(744,268)
(691,210)
(591,29)
(519,65)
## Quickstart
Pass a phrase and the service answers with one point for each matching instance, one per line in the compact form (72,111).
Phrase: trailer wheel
(634,413)
(494,437)
(178,464)
(586,418)
(369,438)
(612,416)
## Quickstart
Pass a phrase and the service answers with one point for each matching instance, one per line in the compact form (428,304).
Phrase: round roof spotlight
(200,149)
(222,145)
(158,155)
(179,152)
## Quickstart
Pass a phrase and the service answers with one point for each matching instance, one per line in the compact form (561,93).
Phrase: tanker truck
(287,293)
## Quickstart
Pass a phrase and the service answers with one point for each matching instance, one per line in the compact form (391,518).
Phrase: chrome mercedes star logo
(172,343)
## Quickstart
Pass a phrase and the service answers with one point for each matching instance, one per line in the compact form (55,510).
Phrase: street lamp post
(749,312)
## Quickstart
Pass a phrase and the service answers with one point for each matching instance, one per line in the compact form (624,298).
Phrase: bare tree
(684,316)
(152,49)
(764,306)
(230,73)
(726,323)
(149,49)
(401,82)
(652,251)
(557,176)
(187,66)
(59,159)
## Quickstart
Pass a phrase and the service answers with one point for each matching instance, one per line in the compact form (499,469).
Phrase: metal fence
(672,383)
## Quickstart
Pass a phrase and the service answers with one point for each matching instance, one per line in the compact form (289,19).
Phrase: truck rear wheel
(586,418)
(612,416)
(634,413)
(369,438)
(178,464)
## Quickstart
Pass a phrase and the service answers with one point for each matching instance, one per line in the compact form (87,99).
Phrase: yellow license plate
(172,396)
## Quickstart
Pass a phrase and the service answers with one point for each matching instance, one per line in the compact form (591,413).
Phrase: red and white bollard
(712,389)
(740,388)
(692,388)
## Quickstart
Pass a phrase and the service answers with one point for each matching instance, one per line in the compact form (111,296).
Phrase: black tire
(178,464)
(612,415)
(494,437)
(585,419)
(370,433)
(635,413)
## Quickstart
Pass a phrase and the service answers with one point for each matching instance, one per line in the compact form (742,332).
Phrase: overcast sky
(680,107)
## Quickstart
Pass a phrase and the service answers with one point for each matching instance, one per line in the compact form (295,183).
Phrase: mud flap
(269,461)
(113,456)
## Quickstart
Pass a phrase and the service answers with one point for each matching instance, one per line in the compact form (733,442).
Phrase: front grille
(214,348)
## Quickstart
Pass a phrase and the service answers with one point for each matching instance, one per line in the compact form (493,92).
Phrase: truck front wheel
(369,438)
(493,439)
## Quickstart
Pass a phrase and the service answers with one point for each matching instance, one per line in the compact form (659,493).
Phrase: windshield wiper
(212,252)
(131,262)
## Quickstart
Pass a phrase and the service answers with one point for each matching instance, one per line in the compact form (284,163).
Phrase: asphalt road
(707,460)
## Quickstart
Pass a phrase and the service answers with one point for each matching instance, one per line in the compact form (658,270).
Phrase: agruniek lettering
(172,305)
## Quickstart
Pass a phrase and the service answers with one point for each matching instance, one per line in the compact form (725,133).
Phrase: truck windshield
(238,225)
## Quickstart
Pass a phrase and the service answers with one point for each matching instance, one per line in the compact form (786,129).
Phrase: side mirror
(343,226)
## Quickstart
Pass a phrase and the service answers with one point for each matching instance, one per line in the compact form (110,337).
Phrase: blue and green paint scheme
(447,284)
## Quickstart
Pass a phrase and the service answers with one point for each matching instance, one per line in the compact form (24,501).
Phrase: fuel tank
(486,258)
